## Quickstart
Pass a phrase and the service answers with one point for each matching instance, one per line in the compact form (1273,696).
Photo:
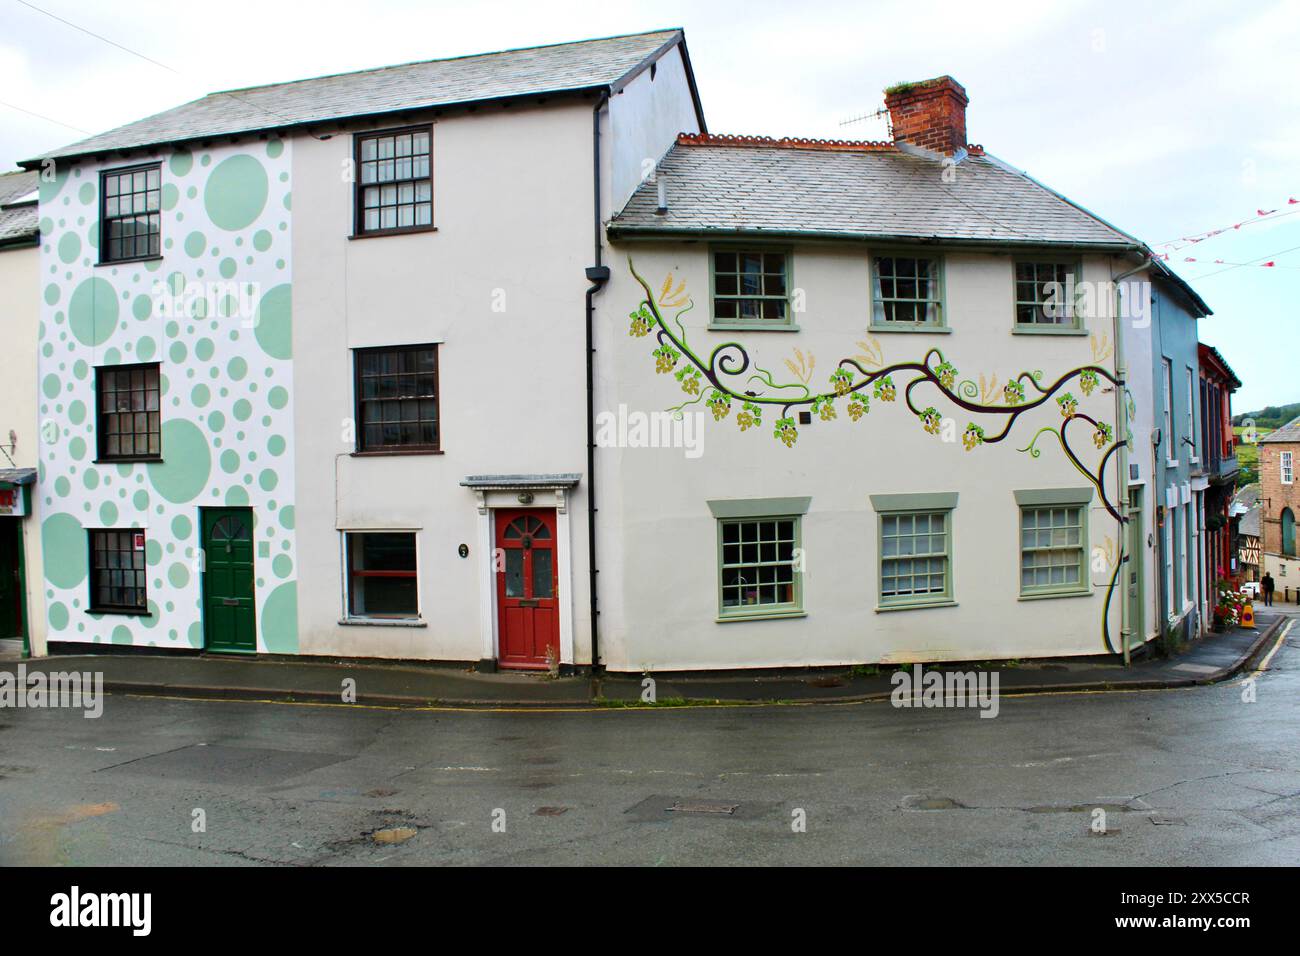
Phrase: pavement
(1207,660)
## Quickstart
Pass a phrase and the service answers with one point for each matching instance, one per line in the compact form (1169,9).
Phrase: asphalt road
(1185,777)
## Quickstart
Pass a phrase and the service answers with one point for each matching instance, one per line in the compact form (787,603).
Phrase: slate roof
(563,67)
(1290,432)
(714,186)
(1247,496)
(18,223)
(17,476)
(1249,524)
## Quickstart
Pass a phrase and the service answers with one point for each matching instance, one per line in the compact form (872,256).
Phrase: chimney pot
(930,114)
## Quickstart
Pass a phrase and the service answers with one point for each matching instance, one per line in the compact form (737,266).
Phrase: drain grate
(726,809)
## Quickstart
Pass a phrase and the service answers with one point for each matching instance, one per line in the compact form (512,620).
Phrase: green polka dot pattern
(216,312)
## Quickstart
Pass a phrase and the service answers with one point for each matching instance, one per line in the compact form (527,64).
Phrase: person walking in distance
(1266,585)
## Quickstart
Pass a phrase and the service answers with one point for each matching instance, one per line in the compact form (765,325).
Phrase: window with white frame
(1287,464)
(1194,451)
(1169,559)
(382,581)
(1171,452)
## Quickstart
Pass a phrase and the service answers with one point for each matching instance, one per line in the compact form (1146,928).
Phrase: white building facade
(515,364)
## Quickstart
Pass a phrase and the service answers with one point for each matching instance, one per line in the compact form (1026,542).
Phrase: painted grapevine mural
(214,311)
(730,385)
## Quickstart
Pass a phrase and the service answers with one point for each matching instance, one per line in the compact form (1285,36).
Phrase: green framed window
(1045,293)
(915,558)
(907,292)
(1053,549)
(751,287)
(758,567)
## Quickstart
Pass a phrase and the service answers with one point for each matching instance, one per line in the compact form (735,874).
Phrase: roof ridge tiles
(798,142)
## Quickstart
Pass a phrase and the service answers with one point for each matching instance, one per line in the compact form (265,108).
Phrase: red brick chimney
(930,114)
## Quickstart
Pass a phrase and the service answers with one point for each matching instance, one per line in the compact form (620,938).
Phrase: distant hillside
(1270,416)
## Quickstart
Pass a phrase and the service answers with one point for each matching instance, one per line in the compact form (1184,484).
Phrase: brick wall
(1275,497)
(931,114)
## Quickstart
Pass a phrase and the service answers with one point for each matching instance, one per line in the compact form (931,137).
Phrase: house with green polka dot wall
(262,316)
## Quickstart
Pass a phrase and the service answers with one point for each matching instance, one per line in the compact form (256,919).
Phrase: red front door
(528,612)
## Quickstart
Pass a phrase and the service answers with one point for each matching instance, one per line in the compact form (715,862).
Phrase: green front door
(1136,592)
(229,620)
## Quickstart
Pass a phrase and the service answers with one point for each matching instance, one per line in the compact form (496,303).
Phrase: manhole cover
(550,811)
(703,806)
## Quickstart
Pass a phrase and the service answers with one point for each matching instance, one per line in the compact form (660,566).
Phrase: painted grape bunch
(857,390)
(859,405)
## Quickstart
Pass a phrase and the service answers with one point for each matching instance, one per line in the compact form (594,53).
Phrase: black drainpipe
(597,275)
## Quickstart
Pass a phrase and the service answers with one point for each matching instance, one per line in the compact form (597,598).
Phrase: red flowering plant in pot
(1230,602)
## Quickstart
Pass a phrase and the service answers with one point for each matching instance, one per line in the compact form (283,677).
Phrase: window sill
(760,615)
(1051,596)
(408,230)
(754,327)
(119,611)
(913,329)
(396,452)
(918,606)
(103,264)
(143,460)
(1048,330)
(382,622)
(1171,462)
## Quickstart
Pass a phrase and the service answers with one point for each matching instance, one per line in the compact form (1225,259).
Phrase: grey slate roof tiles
(1290,432)
(878,192)
(1249,524)
(432,83)
(17,222)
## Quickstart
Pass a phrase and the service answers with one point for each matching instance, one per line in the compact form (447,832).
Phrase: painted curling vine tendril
(849,382)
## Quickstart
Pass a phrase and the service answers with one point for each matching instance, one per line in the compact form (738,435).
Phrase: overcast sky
(1167,119)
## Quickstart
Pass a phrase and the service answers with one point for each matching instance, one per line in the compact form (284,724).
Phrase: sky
(1167,120)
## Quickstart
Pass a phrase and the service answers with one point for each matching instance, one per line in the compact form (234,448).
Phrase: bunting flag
(1261,215)
(1223,262)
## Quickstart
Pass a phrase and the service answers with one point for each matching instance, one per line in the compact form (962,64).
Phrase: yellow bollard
(1248,616)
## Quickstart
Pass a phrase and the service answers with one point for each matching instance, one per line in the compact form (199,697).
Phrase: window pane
(397,407)
(400,161)
(543,574)
(382,574)
(758,563)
